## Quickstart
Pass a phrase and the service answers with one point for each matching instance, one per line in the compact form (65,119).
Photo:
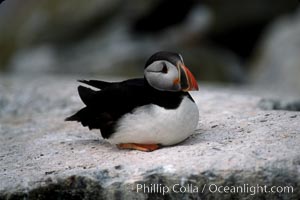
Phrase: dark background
(233,41)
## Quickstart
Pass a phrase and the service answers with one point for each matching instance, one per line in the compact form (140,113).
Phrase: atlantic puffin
(143,113)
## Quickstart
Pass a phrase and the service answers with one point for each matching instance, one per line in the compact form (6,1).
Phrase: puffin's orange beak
(187,79)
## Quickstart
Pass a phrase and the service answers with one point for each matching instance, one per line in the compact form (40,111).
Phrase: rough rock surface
(236,144)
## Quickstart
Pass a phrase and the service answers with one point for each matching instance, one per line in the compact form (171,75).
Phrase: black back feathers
(104,108)
(96,83)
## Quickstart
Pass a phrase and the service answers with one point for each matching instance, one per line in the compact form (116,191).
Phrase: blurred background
(250,41)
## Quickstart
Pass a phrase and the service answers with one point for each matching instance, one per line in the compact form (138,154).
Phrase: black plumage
(105,107)
(164,55)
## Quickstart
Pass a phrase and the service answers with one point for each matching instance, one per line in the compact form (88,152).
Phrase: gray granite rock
(277,62)
(236,144)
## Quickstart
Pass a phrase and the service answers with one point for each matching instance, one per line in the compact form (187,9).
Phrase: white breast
(152,124)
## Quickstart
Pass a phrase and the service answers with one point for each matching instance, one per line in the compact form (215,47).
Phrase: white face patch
(162,79)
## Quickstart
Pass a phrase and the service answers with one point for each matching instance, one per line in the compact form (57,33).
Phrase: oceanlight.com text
(212,188)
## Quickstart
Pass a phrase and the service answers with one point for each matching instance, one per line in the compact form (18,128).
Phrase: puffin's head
(165,71)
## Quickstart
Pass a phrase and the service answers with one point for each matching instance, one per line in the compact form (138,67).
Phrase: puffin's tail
(86,96)
(86,117)
(74,117)
(79,116)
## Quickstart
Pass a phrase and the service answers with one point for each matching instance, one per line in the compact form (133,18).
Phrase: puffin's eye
(164,69)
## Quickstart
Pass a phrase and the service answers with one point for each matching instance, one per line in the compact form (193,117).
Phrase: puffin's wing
(116,95)
(105,107)
(96,83)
